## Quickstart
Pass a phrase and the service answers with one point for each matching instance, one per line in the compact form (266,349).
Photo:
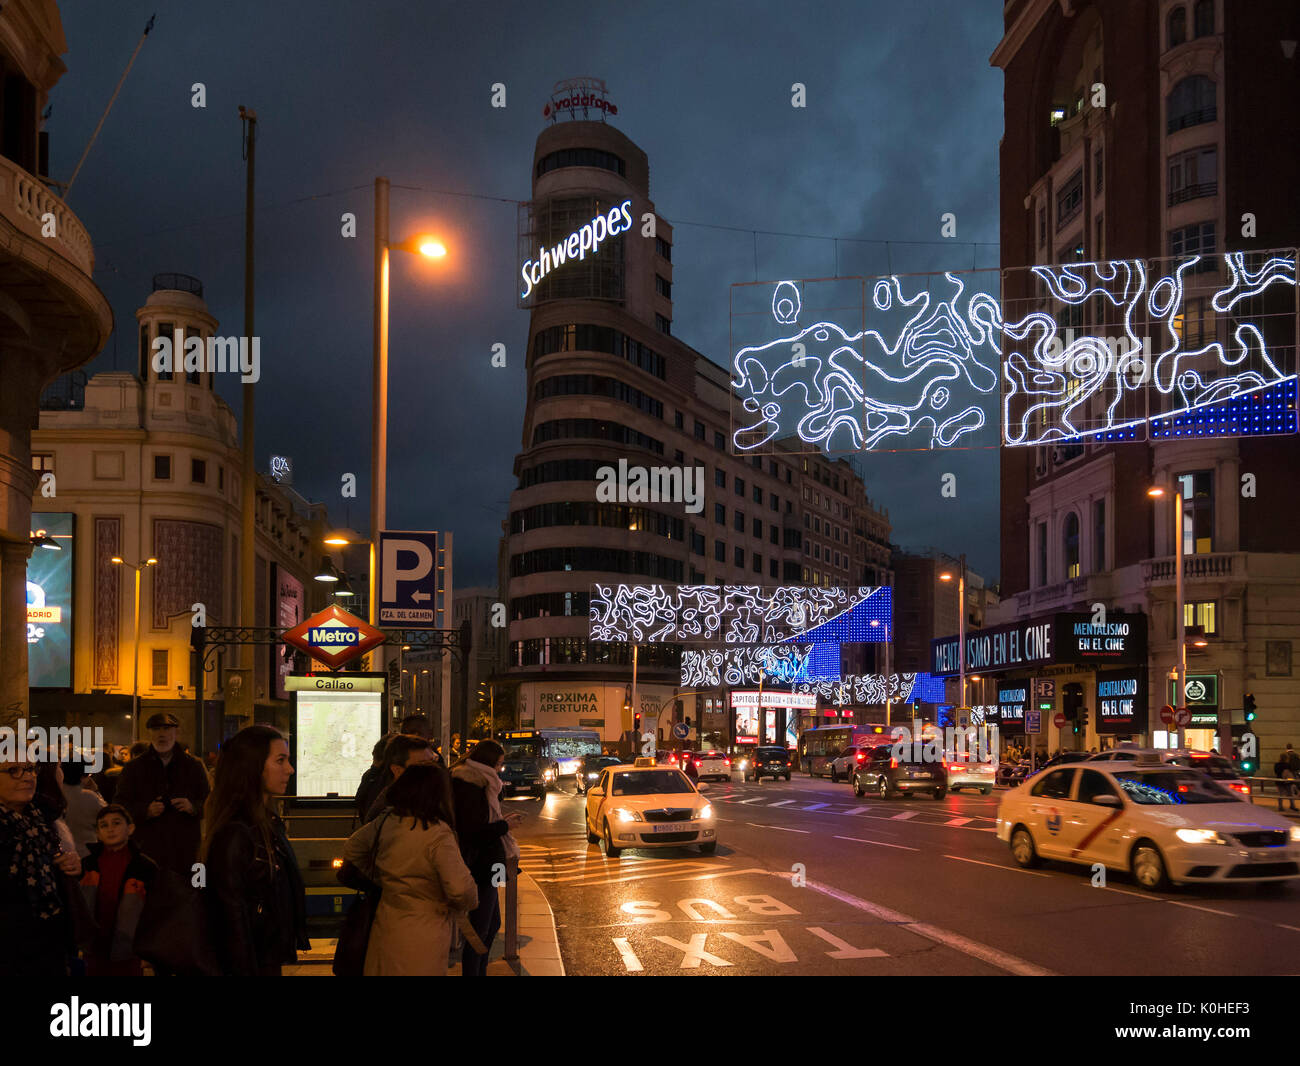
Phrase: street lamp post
(135,668)
(961,629)
(1180,667)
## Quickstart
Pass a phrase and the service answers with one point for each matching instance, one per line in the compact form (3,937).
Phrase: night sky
(344,92)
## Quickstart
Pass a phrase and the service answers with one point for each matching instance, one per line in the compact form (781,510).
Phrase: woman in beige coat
(418,865)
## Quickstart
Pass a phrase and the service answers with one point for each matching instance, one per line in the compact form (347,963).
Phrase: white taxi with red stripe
(1160,823)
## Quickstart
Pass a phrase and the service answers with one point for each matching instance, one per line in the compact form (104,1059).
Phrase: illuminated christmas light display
(871,690)
(739,614)
(1126,350)
(779,663)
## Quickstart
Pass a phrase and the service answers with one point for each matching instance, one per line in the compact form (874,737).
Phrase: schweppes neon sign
(588,238)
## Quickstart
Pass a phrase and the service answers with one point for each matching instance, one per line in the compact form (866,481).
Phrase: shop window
(1203,613)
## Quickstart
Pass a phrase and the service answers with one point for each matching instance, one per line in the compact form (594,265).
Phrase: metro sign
(333,636)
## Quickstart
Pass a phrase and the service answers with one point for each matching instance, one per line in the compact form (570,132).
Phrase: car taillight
(861,756)
(697,762)
(893,764)
(726,762)
(1239,786)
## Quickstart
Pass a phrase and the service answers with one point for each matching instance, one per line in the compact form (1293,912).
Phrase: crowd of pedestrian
(97,868)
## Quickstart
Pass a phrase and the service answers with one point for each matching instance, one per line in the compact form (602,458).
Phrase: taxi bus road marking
(630,961)
(693,953)
(728,873)
(1001,959)
(596,877)
(997,866)
(860,840)
(845,950)
(783,828)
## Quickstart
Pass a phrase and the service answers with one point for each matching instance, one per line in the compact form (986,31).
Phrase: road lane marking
(628,956)
(728,873)
(1001,959)
(756,799)
(957,821)
(780,803)
(904,816)
(784,829)
(858,810)
(997,866)
(860,840)
(812,807)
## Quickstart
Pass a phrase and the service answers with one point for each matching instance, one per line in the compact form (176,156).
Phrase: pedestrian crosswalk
(590,866)
(933,815)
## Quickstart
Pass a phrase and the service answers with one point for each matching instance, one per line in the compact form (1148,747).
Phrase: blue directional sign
(681,731)
(408,579)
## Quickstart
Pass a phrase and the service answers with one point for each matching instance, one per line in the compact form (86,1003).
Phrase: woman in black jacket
(485,841)
(256,900)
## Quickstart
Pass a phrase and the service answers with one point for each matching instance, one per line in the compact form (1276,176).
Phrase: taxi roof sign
(333,636)
(645,760)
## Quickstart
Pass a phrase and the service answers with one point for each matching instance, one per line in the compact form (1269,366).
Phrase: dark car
(589,767)
(768,762)
(522,773)
(1063,758)
(885,774)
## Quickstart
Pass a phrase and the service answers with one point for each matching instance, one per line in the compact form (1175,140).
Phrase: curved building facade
(609,384)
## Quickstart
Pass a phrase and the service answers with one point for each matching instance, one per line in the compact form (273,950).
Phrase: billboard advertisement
(49,604)
(333,735)
(289,606)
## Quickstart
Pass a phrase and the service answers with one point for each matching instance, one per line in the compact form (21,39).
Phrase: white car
(711,764)
(644,805)
(1208,762)
(1160,823)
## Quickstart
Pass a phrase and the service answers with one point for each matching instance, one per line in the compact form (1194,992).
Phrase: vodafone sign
(334,637)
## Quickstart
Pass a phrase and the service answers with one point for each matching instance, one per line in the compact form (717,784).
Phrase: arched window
(1071,545)
(1177,26)
(1190,103)
(1203,18)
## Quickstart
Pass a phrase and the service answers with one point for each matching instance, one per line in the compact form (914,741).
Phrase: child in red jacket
(116,875)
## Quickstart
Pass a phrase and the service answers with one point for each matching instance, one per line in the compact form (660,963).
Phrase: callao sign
(576,245)
(333,636)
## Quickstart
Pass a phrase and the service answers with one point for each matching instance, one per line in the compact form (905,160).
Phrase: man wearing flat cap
(164,789)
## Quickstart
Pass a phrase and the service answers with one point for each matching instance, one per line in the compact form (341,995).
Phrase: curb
(539,944)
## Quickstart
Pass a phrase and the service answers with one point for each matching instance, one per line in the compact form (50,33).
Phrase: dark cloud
(902,124)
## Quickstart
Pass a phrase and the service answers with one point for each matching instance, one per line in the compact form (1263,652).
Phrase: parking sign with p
(408,579)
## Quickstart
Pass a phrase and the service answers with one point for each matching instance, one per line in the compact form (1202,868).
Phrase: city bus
(558,751)
(819,745)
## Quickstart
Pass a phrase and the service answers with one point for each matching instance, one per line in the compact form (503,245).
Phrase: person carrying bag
(354,937)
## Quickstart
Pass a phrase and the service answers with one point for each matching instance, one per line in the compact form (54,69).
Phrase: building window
(1071,545)
(758,528)
(662,324)
(720,478)
(159,671)
(1097,171)
(221,479)
(191,376)
(679,458)
(739,555)
(719,440)
(199,471)
(1099,250)
(758,495)
(1042,227)
(772,570)
(1202,613)
(162,467)
(719,514)
(1203,18)
(43,463)
(1198,512)
(774,501)
(1098,535)
(1042,553)
(679,421)
(1192,322)
(581,157)
(663,249)
(1196,239)
(699,431)
(165,329)
(758,564)
(738,521)
(664,288)
(720,551)
(739,486)
(1177,26)
(697,542)
(1069,201)
(1190,103)
(1194,174)
(773,534)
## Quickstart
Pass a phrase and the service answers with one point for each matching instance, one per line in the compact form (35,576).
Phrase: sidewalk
(539,948)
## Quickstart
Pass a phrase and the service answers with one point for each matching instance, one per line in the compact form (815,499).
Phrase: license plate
(674,827)
(1260,856)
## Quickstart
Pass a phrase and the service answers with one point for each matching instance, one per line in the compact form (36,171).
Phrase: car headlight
(706,811)
(624,814)
(1199,836)
(1295,834)
(547,774)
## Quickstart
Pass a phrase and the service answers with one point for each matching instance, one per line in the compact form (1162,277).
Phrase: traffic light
(636,722)
(1248,705)
(1072,705)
